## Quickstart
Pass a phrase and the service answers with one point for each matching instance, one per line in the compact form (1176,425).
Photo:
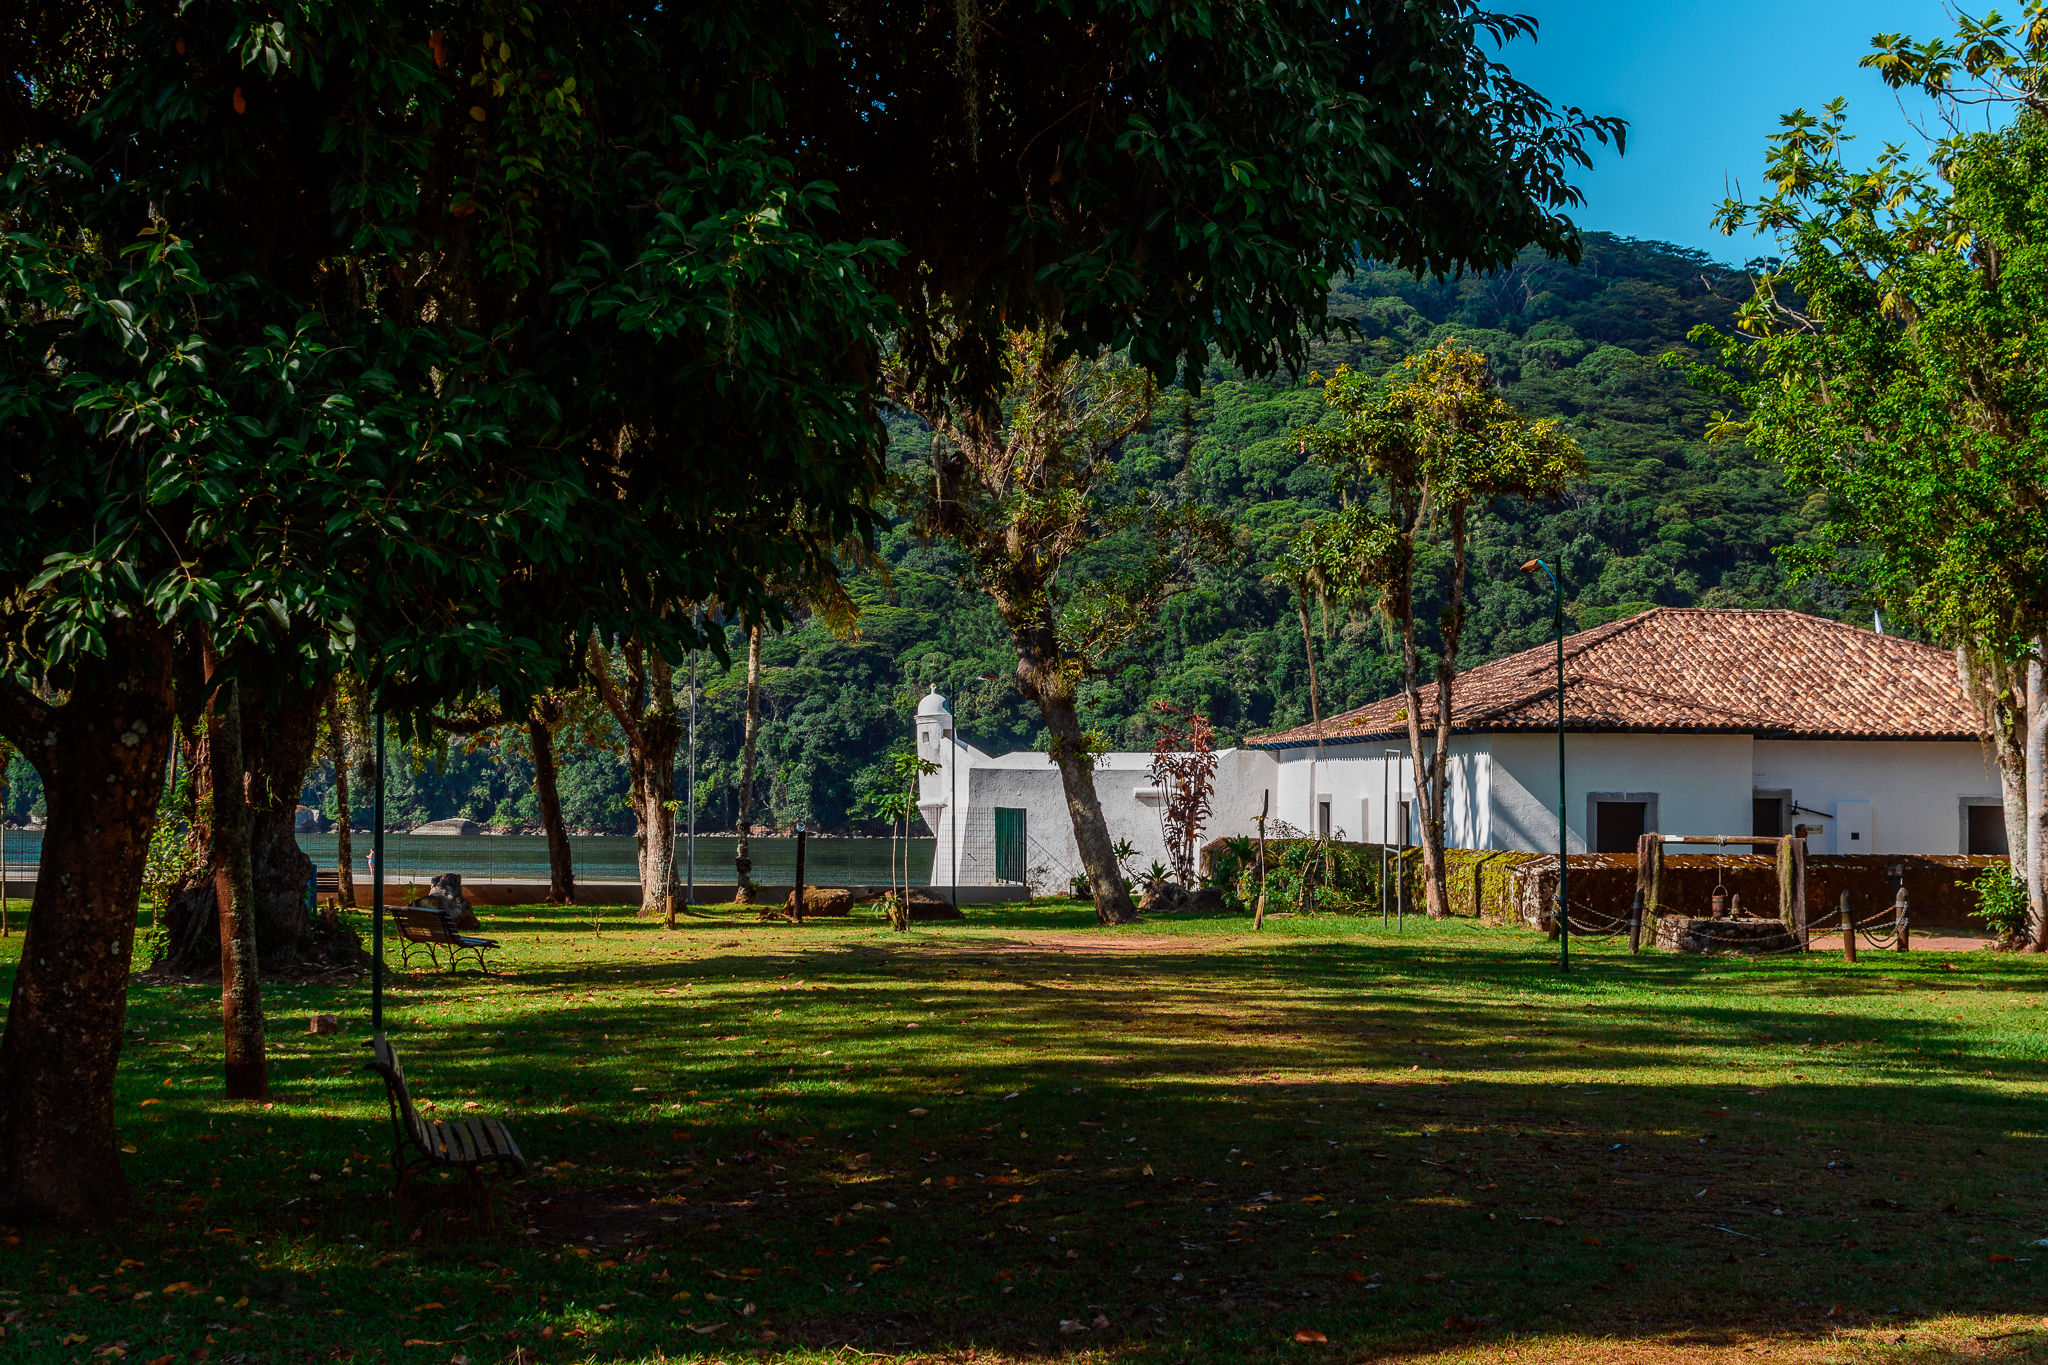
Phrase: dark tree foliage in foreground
(329,337)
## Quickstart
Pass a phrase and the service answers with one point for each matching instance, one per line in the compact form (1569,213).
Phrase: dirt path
(1087,945)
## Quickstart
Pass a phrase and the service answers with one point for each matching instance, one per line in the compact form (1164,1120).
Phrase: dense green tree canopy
(1663,518)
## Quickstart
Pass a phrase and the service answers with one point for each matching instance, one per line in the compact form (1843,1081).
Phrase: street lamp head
(1532,566)
(984,677)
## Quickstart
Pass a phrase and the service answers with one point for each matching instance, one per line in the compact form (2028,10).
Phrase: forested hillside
(1663,519)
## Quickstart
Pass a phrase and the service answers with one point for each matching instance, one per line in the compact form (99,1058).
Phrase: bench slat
(465,1143)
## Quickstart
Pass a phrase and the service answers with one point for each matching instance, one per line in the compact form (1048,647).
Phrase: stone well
(1690,934)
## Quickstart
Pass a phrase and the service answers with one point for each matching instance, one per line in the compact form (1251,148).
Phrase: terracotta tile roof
(1773,674)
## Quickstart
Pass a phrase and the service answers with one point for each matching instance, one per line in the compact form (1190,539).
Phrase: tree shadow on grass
(1365,1138)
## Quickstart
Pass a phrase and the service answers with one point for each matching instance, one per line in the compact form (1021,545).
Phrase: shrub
(2001,901)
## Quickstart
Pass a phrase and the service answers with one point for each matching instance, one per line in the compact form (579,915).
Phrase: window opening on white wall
(1616,820)
(1984,827)
(1769,812)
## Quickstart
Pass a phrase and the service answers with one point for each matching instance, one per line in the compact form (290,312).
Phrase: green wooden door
(1010,845)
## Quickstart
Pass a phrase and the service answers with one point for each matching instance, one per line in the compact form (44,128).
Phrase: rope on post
(1635,924)
(1899,925)
(1848,931)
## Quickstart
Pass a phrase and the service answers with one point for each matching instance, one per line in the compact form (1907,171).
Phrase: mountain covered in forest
(1663,518)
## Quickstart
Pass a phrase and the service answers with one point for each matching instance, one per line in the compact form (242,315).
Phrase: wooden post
(1259,914)
(1899,919)
(1848,930)
(797,897)
(1792,887)
(1650,873)
(1635,925)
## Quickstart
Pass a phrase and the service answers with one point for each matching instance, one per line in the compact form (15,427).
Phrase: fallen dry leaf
(1308,1337)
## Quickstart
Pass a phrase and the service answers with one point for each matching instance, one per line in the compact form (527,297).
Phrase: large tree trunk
(654,776)
(279,734)
(1450,631)
(2037,801)
(540,735)
(247,1074)
(653,732)
(742,858)
(1422,762)
(101,756)
(1999,696)
(344,851)
(1039,677)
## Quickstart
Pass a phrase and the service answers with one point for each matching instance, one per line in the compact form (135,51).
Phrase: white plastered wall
(960,806)
(1365,785)
(1915,788)
(1702,784)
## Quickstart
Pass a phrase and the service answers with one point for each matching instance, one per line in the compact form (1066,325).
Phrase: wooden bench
(434,930)
(468,1146)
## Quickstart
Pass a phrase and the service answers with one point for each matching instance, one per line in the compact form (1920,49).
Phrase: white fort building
(1683,721)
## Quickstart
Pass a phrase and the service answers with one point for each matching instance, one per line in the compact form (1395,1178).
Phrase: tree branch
(29,724)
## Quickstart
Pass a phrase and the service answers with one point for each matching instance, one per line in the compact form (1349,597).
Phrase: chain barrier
(1795,947)
(1883,938)
(1616,926)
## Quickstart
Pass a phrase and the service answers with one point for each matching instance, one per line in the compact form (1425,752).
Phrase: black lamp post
(1564,904)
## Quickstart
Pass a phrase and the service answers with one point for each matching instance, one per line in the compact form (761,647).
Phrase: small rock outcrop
(1170,898)
(924,905)
(455,825)
(820,900)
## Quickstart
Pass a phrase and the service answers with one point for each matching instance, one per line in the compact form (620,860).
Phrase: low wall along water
(518,857)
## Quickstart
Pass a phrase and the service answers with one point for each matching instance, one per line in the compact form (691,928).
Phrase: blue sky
(1702,85)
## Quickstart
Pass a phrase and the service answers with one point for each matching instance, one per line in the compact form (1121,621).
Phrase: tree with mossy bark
(1022,489)
(1416,454)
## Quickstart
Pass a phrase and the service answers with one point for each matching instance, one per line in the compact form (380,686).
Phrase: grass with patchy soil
(1020,1136)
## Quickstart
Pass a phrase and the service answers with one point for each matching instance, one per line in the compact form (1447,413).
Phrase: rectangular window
(1010,845)
(1618,825)
(1766,820)
(1987,830)
(1323,818)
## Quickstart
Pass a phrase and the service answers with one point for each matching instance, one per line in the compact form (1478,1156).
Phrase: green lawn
(1022,1136)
